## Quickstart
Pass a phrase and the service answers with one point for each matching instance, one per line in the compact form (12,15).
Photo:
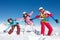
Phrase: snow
(28,35)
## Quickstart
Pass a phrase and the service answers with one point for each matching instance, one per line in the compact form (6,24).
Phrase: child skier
(29,23)
(26,18)
(12,24)
(44,20)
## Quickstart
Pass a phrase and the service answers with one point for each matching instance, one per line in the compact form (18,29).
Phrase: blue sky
(14,8)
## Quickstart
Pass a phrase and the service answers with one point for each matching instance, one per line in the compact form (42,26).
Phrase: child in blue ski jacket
(12,24)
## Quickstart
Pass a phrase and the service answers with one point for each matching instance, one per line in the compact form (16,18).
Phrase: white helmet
(41,8)
(24,12)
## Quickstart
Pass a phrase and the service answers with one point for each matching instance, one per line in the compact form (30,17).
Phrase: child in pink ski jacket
(26,18)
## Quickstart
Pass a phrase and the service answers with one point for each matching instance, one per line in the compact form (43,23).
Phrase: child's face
(42,11)
(10,21)
(25,15)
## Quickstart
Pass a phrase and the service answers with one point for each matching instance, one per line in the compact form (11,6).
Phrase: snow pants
(12,29)
(43,24)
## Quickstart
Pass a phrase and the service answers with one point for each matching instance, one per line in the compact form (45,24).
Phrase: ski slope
(27,35)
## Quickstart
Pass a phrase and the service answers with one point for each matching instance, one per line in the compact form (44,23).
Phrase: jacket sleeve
(51,15)
(38,16)
(30,14)
(8,27)
(19,18)
(56,20)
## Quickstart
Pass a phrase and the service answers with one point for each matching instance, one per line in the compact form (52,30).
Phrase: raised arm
(30,14)
(19,18)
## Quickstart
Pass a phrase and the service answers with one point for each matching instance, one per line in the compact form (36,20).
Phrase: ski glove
(4,31)
(56,21)
(32,18)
